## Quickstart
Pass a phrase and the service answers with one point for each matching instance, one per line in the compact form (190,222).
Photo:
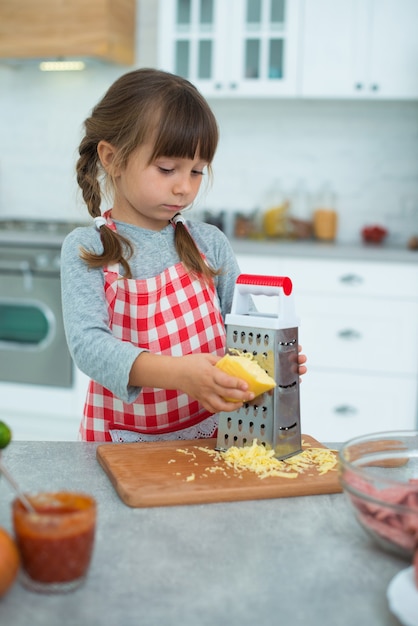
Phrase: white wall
(368,150)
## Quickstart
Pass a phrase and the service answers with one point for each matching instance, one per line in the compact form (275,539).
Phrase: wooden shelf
(101,29)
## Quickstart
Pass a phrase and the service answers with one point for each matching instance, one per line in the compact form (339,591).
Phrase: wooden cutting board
(155,474)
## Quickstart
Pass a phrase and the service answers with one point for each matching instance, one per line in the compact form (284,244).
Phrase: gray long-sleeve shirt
(97,353)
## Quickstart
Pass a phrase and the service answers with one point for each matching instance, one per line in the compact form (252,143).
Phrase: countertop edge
(307,249)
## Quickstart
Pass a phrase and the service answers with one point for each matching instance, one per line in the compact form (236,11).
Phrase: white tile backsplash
(368,151)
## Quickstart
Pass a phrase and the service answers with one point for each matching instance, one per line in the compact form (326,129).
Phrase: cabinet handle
(345,410)
(358,86)
(351,279)
(374,87)
(349,333)
(233,85)
(218,85)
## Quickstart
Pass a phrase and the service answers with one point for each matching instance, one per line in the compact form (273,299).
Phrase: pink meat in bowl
(379,474)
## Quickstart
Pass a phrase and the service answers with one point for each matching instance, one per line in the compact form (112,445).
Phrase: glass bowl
(379,475)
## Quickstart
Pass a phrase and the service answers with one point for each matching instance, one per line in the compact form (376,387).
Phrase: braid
(189,254)
(116,248)
(87,176)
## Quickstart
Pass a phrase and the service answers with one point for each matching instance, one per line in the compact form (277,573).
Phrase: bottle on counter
(325,218)
(300,212)
(275,214)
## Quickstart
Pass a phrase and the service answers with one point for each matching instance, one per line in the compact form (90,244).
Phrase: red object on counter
(374,234)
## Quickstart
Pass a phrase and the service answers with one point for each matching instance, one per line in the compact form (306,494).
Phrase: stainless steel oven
(33,348)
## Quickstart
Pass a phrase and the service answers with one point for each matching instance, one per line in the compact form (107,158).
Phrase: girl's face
(150,194)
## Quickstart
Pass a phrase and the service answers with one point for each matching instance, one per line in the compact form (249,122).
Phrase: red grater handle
(248,285)
(273,283)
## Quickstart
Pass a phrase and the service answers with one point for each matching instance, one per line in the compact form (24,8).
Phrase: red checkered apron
(171,314)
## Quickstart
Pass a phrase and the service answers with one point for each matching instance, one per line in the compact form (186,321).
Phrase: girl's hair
(144,105)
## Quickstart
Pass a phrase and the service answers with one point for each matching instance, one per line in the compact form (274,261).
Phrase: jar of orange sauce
(56,540)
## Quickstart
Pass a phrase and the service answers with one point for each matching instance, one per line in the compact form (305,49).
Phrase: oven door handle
(19,267)
(27,342)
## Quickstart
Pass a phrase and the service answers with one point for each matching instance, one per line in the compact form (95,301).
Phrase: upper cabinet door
(233,47)
(189,39)
(393,54)
(265,51)
(334,36)
(359,49)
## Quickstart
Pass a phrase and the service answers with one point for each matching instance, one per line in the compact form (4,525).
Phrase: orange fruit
(9,561)
(245,367)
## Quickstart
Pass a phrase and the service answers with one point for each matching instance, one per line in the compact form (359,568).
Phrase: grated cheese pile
(258,459)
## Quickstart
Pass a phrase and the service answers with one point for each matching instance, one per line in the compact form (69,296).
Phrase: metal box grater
(273,341)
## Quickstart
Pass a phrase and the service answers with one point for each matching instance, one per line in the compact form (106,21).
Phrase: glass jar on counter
(325,218)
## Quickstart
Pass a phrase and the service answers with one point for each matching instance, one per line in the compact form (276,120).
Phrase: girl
(144,295)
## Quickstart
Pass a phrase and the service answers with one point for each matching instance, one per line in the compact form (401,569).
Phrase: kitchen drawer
(336,408)
(345,333)
(41,427)
(339,278)
(354,279)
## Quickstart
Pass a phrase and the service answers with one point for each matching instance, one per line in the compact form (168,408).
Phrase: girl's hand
(210,386)
(302,369)
(298,363)
(195,375)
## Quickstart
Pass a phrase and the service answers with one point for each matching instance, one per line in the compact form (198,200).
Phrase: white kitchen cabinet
(41,412)
(336,406)
(303,48)
(359,49)
(42,427)
(359,330)
(232,48)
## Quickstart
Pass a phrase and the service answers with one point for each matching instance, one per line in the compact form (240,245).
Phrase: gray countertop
(309,249)
(286,561)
